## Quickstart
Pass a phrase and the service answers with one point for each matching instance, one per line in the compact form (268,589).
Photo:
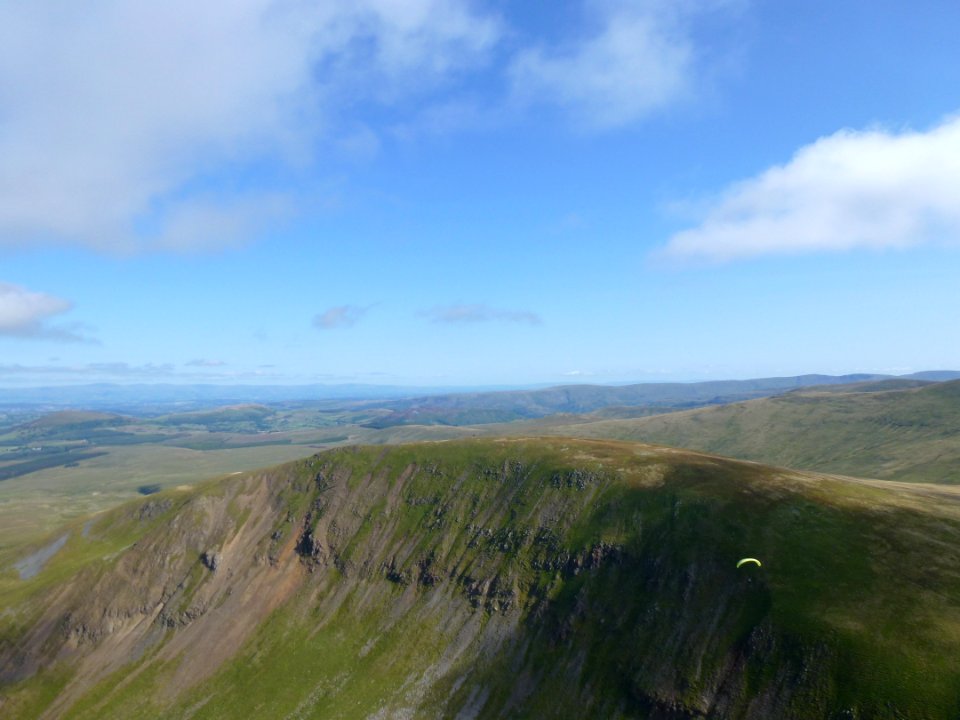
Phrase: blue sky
(473,193)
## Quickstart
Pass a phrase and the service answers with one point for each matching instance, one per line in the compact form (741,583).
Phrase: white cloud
(26,314)
(854,189)
(122,369)
(480,313)
(117,118)
(211,223)
(205,363)
(639,59)
(339,317)
(111,113)
(127,372)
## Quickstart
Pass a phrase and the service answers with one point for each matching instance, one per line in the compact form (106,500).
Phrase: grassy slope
(92,461)
(180,449)
(514,578)
(33,505)
(911,435)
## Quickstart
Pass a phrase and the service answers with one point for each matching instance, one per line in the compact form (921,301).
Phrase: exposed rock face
(211,559)
(153,508)
(487,580)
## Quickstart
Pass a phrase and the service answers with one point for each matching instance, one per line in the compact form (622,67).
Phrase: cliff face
(498,579)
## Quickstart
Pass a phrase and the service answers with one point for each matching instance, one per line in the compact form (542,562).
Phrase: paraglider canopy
(749,560)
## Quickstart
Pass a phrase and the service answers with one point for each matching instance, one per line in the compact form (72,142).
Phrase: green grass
(910,434)
(549,576)
(33,505)
(40,493)
(133,688)
(31,698)
(348,666)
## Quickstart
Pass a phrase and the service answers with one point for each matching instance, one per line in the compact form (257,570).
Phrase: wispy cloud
(342,316)
(26,314)
(210,223)
(98,370)
(128,370)
(112,114)
(123,372)
(202,362)
(638,58)
(480,313)
(854,189)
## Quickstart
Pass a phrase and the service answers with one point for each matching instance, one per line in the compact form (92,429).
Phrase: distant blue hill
(934,375)
(431,405)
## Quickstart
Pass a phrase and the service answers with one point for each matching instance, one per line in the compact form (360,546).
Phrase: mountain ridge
(159,398)
(490,407)
(898,433)
(489,578)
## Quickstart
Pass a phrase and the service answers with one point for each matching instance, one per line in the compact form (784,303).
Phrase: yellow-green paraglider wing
(749,560)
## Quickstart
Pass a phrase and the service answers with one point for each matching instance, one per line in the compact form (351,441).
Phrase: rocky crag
(488,579)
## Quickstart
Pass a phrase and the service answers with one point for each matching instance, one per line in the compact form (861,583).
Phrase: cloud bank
(480,313)
(854,189)
(26,314)
(205,363)
(123,372)
(169,126)
(114,114)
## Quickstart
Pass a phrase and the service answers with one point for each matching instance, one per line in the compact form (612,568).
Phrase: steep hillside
(489,579)
(910,434)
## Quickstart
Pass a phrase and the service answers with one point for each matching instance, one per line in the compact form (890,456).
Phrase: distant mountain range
(169,397)
(652,398)
(409,405)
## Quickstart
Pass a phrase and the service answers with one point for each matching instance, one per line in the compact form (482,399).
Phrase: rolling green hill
(230,418)
(648,398)
(489,579)
(910,434)
(65,464)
